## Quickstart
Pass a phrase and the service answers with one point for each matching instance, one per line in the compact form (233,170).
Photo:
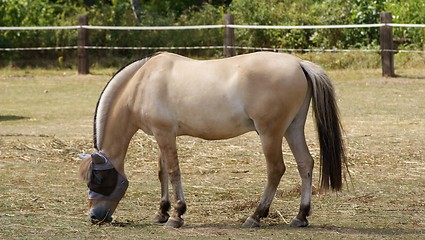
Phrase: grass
(46,119)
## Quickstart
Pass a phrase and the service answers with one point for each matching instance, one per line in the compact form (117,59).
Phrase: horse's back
(213,78)
(215,99)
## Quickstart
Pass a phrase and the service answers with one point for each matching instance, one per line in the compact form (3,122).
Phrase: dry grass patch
(46,119)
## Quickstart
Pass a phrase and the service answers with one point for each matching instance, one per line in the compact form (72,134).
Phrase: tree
(137,9)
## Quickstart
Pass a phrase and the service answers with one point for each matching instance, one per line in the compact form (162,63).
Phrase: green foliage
(336,12)
(308,12)
(202,12)
(408,11)
(35,13)
(273,12)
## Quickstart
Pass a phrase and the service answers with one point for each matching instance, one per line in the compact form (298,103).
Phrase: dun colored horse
(168,95)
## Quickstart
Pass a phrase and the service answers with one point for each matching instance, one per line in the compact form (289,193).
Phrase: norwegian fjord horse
(168,95)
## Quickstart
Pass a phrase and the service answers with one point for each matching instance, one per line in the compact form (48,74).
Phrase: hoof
(160,218)
(174,222)
(298,223)
(250,223)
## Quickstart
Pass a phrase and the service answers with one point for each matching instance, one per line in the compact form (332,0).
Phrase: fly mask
(105,182)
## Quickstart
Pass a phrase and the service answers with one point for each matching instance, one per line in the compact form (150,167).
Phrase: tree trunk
(137,9)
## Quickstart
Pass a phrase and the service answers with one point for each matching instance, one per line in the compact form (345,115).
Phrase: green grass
(46,119)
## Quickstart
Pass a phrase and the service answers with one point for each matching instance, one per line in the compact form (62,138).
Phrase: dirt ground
(46,120)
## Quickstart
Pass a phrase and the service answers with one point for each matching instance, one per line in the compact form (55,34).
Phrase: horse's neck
(115,126)
(113,121)
(117,134)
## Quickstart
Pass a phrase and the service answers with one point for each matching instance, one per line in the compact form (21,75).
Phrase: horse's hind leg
(272,148)
(296,140)
(164,204)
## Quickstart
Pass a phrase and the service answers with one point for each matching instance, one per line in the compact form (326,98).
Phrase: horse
(167,95)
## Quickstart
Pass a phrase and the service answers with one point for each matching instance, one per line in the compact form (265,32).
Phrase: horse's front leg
(164,205)
(167,146)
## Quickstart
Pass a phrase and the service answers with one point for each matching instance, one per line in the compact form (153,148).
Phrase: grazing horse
(168,95)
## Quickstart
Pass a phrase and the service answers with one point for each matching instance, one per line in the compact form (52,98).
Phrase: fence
(386,41)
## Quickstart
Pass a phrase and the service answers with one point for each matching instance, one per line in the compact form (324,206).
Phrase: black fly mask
(105,182)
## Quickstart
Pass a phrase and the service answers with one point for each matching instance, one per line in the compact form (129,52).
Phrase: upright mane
(107,95)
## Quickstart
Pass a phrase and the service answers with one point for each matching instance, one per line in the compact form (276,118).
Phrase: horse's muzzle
(100,215)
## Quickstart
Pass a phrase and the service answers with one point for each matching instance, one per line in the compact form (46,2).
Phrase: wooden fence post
(83,39)
(387,46)
(229,36)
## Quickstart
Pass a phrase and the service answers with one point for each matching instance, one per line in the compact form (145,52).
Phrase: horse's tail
(329,128)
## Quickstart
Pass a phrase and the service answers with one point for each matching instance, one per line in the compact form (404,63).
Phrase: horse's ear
(97,159)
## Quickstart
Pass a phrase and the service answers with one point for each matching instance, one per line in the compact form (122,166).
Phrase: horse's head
(106,186)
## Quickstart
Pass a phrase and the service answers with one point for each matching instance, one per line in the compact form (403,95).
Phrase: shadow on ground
(4,118)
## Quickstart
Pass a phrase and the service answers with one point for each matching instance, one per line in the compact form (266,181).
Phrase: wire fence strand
(247,48)
(197,27)
(194,27)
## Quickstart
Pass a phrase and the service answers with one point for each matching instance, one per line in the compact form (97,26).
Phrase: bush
(409,11)
(160,13)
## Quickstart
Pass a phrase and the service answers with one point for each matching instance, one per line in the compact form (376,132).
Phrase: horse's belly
(214,126)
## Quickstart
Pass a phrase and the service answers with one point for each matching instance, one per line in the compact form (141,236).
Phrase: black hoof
(251,223)
(174,222)
(161,218)
(298,223)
